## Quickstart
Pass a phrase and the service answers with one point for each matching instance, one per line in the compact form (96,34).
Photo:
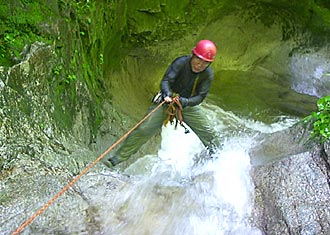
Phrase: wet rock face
(292,192)
(24,99)
(31,139)
(38,157)
(273,147)
(310,72)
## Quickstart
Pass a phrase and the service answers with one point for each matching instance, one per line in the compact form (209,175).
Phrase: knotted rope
(174,110)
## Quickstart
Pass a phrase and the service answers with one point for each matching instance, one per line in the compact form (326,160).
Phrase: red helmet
(205,49)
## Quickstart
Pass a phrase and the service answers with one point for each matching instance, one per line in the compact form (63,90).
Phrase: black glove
(183,101)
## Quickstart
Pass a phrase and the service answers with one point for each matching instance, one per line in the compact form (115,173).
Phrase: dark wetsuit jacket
(180,78)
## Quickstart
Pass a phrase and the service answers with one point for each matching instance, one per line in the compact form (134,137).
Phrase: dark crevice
(324,156)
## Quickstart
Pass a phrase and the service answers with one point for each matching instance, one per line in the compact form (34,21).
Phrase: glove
(183,101)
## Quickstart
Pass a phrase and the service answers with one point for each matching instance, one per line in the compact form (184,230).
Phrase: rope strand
(67,187)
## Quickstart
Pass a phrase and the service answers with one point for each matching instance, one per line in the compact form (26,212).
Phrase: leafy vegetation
(320,120)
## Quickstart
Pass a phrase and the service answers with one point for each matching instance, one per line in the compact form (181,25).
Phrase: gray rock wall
(293,191)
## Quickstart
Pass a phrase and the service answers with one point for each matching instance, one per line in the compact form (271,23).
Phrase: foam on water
(180,195)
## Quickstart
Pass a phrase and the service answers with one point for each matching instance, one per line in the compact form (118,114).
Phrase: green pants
(192,116)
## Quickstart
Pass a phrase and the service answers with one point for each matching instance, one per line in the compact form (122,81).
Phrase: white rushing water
(173,194)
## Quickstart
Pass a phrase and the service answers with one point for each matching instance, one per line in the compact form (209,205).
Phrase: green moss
(95,37)
(295,17)
(4,198)
(80,50)
(21,24)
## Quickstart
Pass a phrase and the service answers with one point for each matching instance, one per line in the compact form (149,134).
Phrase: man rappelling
(184,86)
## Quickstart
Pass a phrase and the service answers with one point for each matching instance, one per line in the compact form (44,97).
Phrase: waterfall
(310,72)
(173,193)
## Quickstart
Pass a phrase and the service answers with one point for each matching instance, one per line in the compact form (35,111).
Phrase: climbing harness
(67,187)
(174,110)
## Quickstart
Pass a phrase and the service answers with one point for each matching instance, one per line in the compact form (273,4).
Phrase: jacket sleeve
(170,76)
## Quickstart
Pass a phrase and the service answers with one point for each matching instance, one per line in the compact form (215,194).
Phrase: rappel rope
(67,187)
(174,110)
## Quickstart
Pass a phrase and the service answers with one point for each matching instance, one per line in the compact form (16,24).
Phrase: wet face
(198,65)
